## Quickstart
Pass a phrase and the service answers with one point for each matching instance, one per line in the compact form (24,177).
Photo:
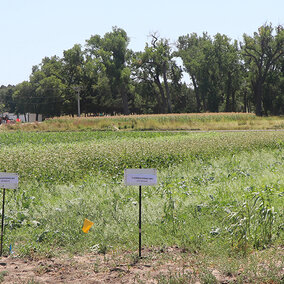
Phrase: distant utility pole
(78,89)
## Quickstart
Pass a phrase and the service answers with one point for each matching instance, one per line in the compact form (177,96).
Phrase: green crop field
(218,194)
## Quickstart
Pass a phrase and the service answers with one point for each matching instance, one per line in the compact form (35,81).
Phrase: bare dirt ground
(170,265)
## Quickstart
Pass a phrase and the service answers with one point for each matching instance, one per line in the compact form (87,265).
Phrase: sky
(33,29)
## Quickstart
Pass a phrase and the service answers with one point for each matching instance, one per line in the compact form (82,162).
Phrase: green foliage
(57,158)
(114,79)
(262,54)
(253,222)
(112,53)
(214,67)
(155,66)
(215,190)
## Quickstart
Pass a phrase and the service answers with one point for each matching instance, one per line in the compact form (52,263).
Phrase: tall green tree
(73,63)
(228,70)
(49,95)
(195,53)
(214,68)
(261,53)
(111,51)
(22,95)
(6,99)
(157,66)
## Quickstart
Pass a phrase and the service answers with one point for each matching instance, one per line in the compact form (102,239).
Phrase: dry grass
(191,121)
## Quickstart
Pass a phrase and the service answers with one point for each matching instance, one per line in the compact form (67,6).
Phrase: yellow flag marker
(87,225)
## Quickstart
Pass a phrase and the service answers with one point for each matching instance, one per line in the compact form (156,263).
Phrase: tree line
(108,77)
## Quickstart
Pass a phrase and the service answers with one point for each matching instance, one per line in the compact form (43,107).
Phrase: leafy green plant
(252,224)
(169,210)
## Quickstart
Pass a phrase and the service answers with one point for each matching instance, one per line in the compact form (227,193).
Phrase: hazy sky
(33,29)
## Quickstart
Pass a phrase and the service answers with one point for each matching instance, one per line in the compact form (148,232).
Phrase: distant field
(204,121)
(219,197)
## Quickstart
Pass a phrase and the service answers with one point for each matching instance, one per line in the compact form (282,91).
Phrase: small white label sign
(8,180)
(140,177)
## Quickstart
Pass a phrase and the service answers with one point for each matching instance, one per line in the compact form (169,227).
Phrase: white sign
(140,176)
(8,180)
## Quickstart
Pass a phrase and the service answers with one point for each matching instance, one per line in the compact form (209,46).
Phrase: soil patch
(157,266)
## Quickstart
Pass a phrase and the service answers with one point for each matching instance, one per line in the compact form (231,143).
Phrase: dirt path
(111,268)
(157,266)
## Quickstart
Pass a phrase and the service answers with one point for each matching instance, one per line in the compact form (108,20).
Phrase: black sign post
(2,222)
(140,177)
(140,217)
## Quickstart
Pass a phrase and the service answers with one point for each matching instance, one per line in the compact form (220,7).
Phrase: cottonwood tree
(261,53)
(228,70)
(214,68)
(195,54)
(49,96)
(6,99)
(23,97)
(156,66)
(111,51)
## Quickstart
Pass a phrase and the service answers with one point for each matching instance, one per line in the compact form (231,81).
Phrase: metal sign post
(2,223)
(140,177)
(140,222)
(7,181)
